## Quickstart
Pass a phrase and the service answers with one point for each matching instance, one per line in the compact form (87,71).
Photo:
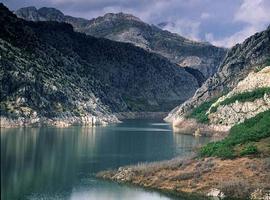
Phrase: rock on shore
(57,122)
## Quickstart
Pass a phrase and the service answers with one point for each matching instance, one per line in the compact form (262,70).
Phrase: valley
(114,107)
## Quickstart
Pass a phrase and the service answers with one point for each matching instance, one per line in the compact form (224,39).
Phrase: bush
(238,189)
(247,96)
(243,97)
(200,113)
(218,149)
(213,109)
(186,176)
(251,130)
(248,150)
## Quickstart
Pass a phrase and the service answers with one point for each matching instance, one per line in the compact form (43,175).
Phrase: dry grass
(168,164)
(236,189)
(200,175)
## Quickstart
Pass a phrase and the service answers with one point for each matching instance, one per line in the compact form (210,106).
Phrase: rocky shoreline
(56,122)
(184,126)
(62,122)
(140,115)
(205,177)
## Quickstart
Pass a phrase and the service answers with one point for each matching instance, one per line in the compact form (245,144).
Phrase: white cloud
(256,16)
(230,41)
(205,15)
(185,27)
(253,12)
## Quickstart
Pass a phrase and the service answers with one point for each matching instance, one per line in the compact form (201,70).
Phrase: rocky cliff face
(237,111)
(36,91)
(238,63)
(48,72)
(127,28)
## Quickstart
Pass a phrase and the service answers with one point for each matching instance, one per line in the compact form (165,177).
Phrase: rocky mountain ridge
(49,73)
(128,28)
(238,63)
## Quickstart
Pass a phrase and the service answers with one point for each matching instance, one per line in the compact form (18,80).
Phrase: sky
(220,22)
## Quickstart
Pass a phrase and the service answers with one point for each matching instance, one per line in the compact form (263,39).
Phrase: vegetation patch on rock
(200,113)
(244,97)
(251,130)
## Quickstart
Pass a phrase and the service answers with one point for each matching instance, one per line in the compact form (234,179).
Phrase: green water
(54,163)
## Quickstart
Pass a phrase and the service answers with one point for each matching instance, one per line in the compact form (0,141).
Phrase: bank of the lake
(87,120)
(201,177)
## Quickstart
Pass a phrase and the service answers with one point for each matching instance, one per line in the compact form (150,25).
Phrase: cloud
(185,27)
(256,17)
(205,15)
(230,41)
(254,12)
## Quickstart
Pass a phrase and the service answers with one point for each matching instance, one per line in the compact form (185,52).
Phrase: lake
(61,163)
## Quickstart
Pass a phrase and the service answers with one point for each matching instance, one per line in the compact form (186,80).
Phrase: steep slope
(49,71)
(250,97)
(239,62)
(127,28)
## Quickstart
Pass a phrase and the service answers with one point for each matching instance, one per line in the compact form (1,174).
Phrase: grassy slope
(241,139)
(199,113)
(247,96)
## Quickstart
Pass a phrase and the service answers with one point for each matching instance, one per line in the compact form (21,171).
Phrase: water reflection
(51,163)
(35,160)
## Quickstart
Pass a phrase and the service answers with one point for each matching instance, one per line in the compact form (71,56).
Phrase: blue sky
(221,22)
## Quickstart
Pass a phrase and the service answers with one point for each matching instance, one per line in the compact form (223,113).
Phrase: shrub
(185,176)
(248,150)
(243,97)
(218,149)
(213,109)
(236,189)
(247,96)
(251,130)
(200,113)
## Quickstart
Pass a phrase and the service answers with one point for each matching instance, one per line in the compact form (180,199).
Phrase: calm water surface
(53,163)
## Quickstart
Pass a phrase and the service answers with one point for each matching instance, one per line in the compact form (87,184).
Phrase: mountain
(241,60)
(127,28)
(250,97)
(50,74)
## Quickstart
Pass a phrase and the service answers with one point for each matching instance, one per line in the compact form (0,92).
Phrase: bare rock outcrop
(237,112)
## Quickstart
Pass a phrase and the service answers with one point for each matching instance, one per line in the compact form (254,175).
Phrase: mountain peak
(43,14)
(120,15)
(50,11)
(29,8)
